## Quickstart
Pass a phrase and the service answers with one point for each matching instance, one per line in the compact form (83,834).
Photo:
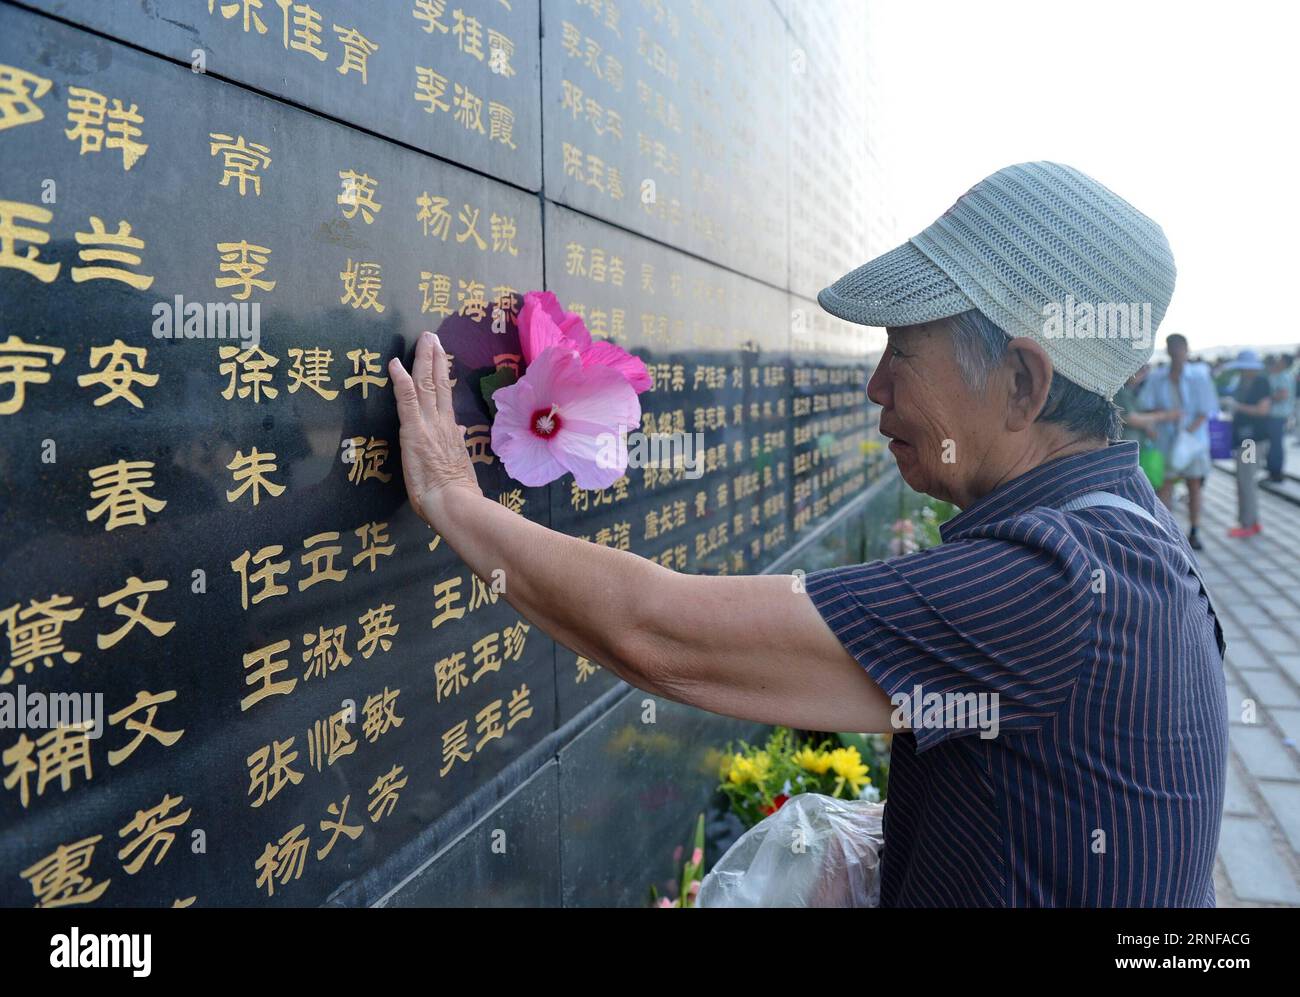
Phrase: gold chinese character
(252,471)
(374,544)
(265,575)
(325,651)
(353,831)
(329,740)
(446,595)
(249,8)
(148,702)
(252,368)
(357,50)
(380,714)
(268,665)
(22,364)
(455,740)
(489,724)
(11,232)
(358,193)
(121,372)
(240,161)
(321,560)
(267,775)
(469,218)
(436,288)
(284,860)
(377,626)
(19,91)
(246,262)
(306,29)
(383,793)
(449,676)
(361,285)
(133,587)
(60,753)
(312,368)
(36,634)
(98,236)
(152,828)
(60,880)
(429,11)
(365,368)
(91,115)
(121,486)
(519,706)
(433,215)
(430,88)
(469,109)
(478,440)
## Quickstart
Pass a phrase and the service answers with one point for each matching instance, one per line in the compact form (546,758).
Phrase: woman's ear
(1031,377)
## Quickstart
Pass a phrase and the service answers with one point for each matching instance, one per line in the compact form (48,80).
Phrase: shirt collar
(1051,483)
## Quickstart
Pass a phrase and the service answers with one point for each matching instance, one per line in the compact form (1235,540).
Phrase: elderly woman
(1052,670)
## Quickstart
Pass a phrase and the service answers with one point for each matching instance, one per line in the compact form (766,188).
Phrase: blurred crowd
(1187,412)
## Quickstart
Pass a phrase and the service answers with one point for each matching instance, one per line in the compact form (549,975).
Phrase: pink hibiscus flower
(561,416)
(543,323)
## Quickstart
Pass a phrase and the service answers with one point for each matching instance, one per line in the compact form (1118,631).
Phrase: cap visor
(902,287)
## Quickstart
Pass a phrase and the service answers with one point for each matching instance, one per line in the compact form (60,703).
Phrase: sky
(1188,110)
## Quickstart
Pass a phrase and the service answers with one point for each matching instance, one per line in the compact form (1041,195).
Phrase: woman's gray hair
(979,346)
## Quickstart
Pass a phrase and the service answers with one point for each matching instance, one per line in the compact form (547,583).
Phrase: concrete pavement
(1256,586)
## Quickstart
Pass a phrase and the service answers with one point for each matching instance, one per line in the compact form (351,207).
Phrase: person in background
(1282,381)
(1184,396)
(1250,404)
(1139,426)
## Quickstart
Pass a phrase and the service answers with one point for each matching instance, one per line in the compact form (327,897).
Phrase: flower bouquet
(759,780)
(570,409)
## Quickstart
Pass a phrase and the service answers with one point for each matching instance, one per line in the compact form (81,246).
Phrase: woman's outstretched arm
(752,646)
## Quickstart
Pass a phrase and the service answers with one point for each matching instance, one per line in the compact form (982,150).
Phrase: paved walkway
(1256,585)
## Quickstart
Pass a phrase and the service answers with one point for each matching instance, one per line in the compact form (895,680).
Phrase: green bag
(1153,464)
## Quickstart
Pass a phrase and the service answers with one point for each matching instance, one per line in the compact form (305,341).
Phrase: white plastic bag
(1186,449)
(816,851)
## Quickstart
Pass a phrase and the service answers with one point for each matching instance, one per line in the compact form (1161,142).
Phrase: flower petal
(539,334)
(526,458)
(606,354)
(538,304)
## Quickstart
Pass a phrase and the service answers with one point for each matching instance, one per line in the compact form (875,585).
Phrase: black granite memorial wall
(219,219)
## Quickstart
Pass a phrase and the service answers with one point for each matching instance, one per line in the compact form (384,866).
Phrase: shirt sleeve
(1207,398)
(1146,396)
(996,628)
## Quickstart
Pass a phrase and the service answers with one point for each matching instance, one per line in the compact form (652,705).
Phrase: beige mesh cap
(1045,252)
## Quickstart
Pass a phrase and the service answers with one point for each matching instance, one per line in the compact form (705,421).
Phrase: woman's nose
(879,388)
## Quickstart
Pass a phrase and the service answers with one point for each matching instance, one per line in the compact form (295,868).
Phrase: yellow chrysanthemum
(812,760)
(848,765)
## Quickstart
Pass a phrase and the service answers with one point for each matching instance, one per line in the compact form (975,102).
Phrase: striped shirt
(1104,783)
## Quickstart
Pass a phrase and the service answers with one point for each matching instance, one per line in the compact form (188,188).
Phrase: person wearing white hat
(1250,404)
(1052,672)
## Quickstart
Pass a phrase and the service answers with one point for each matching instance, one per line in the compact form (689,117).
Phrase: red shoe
(1244,531)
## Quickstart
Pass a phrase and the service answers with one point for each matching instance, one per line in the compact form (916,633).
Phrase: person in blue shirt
(1185,393)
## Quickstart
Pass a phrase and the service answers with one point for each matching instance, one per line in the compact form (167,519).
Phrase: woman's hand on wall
(434,457)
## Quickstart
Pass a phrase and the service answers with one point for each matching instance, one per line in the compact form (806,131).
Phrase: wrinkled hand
(434,457)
